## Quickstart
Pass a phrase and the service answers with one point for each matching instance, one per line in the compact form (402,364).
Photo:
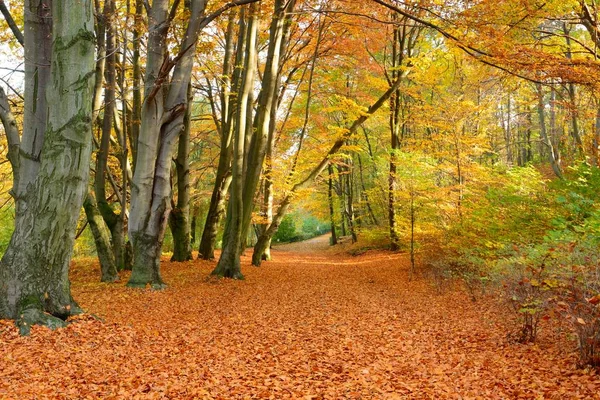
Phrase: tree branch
(215,14)
(11,23)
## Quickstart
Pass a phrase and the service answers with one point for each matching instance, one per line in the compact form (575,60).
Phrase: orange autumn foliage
(313,324)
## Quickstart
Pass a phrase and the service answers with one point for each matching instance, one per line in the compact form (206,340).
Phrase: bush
(528,285)
(286,231)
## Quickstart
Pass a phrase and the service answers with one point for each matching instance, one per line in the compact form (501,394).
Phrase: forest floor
(312,324)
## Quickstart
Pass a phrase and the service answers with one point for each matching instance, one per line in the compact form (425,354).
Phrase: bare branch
(11,23)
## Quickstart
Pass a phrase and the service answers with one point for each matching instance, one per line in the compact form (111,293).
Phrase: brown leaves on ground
(306,326)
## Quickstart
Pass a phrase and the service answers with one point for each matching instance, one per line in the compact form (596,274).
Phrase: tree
(162,121)
(230,80)
(179,218)
(266,236)
(229,262)
(35,286)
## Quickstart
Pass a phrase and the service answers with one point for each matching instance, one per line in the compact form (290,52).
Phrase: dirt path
(307,325)
(314,246)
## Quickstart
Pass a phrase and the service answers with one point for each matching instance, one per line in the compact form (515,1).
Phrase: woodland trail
(313,325)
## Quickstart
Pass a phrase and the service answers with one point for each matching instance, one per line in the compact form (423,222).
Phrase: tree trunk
(101,239)
(553,155)
(229,262)
(179,219)
(38,52)
(331,208)
(216,209)
(265,238)
(162,123)
(34,271)
(137,80)
(394,123)
(573,98)
(508,132)
(364,193)
(350,204)
(9,122)
(267,99)
(112,219)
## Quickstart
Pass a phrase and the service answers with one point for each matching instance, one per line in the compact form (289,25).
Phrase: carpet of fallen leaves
(310,325)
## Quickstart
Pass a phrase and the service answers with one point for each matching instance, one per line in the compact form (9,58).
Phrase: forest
(300,199)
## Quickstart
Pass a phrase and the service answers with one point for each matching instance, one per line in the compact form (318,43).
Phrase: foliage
(299,226)
(543,252)
(286,231)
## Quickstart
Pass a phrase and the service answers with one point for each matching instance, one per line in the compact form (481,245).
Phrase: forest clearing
(313,324)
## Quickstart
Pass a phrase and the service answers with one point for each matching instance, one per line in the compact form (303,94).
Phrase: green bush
(286,231)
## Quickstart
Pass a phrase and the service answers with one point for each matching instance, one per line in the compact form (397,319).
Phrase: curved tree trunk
(101,239)
(162,123)
(34,271)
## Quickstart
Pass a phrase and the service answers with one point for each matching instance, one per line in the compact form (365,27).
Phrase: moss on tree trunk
(34,271)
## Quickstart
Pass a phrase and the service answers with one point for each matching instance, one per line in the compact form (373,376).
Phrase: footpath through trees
(310,323)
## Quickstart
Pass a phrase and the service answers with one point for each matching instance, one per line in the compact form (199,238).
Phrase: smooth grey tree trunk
(38,52)
(161,123)
(179,219)
(34,271)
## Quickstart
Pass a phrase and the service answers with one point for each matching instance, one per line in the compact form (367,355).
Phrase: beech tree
(34,282)
(162,120)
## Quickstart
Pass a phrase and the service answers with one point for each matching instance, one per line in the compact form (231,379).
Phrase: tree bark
(38,53)
(137,80)
(216,209)
(267,99)
(35,287)
(394,123)
(229,262)
(101,236)
(162,123)
(179,219)
(331,208)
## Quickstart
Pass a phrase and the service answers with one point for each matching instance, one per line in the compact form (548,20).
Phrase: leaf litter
(304,326)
